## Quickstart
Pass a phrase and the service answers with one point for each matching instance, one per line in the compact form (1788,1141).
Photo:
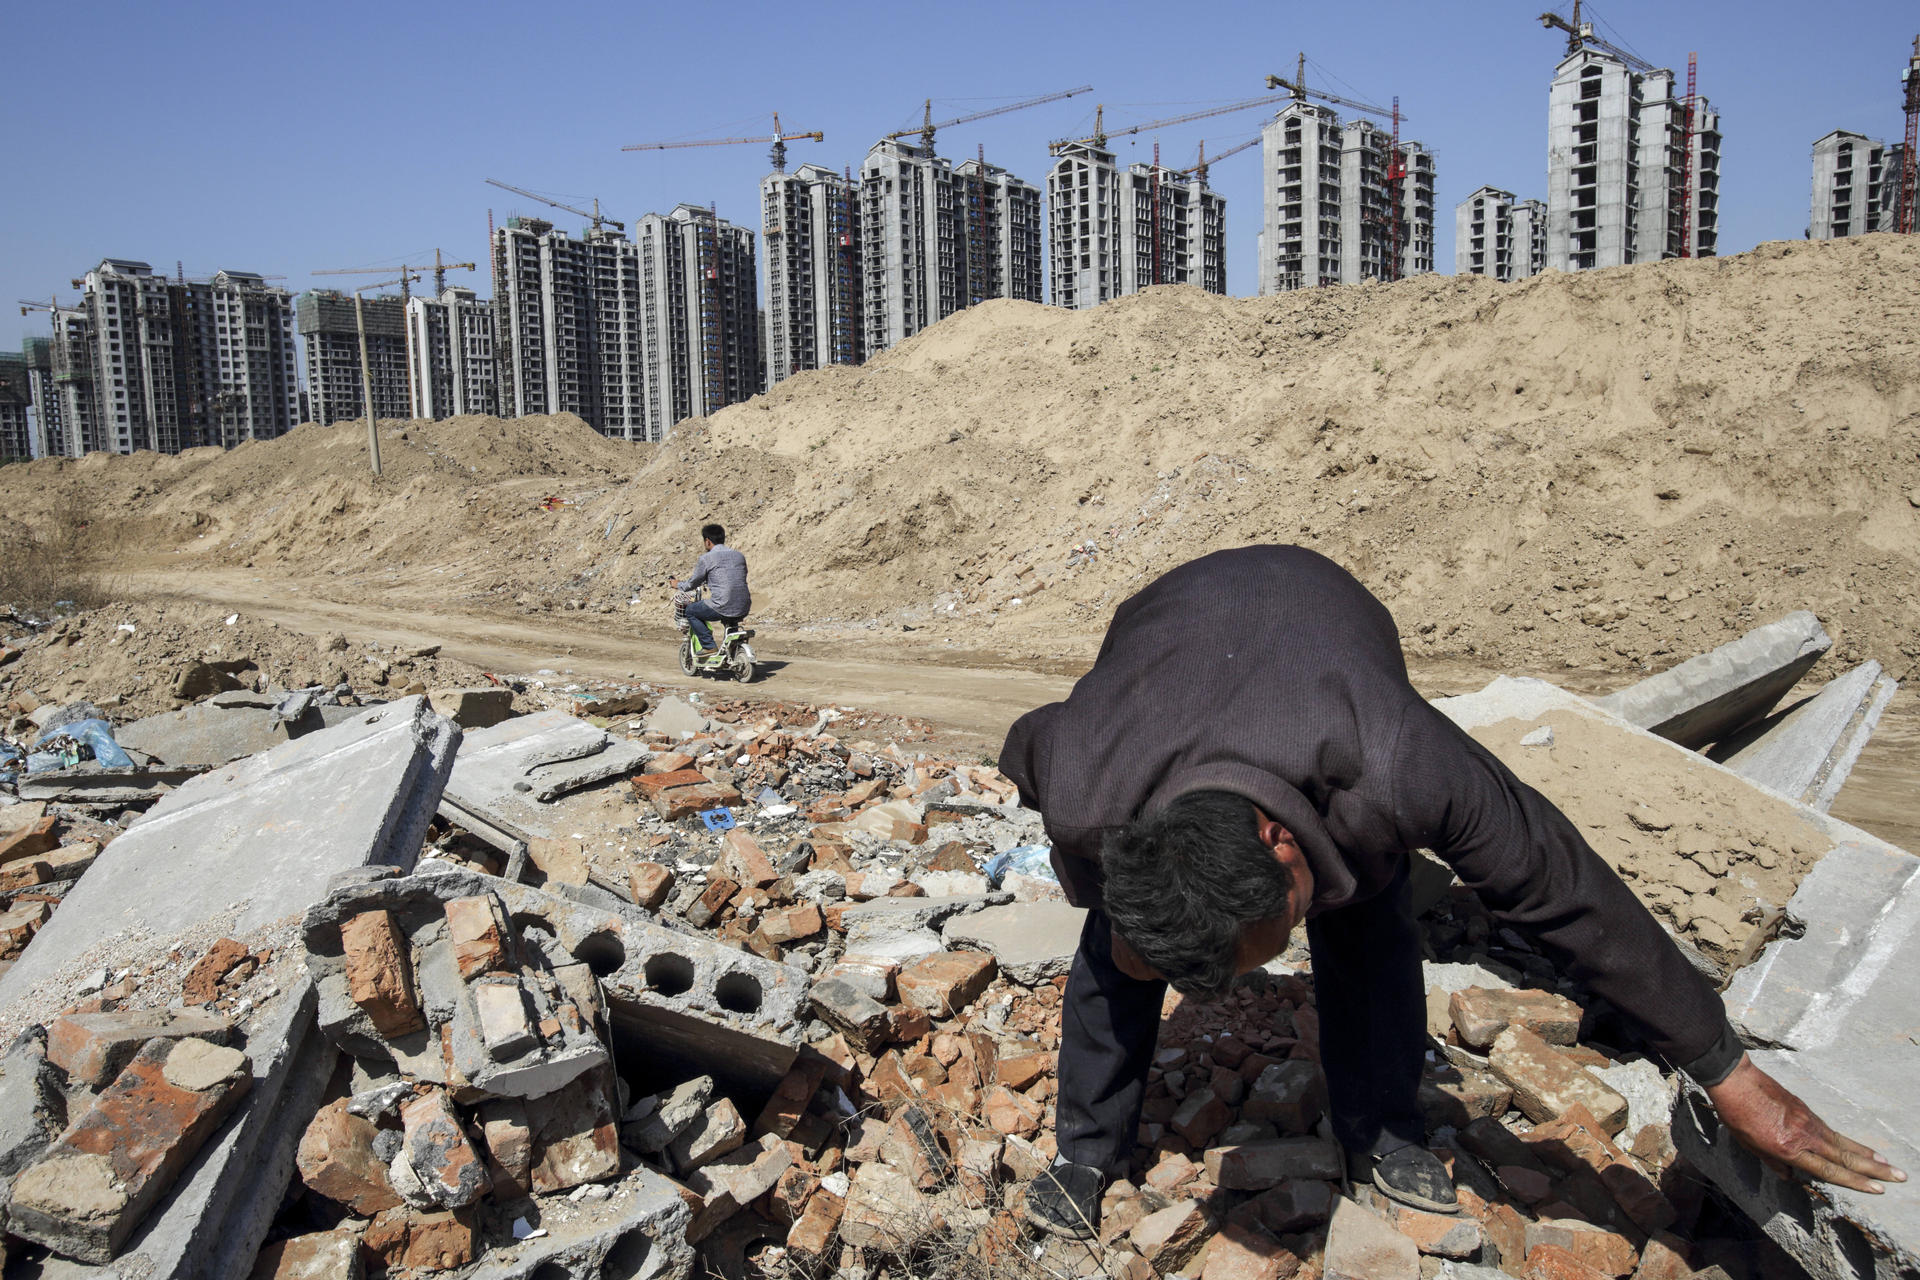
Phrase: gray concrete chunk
(265,834)
(1708,697)
(1807,751)
(1030,941)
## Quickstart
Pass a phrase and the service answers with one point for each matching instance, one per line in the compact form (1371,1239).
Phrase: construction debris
(714,986)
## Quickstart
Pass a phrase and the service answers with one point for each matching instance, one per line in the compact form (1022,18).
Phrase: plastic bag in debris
(69,744)
(11,759)
(1034,860)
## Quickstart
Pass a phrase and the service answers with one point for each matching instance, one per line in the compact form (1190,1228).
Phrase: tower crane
(596,217)
(1100,135)
(440,269)
(1580,35)
(779,139)
(1201,165)
(1298,88)
(1909,164)
(928,126)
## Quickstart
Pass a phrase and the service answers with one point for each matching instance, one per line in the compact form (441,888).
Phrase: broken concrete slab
(506,772)
(264,835)
(1708,697)
(1834,1009)
(473,708)
(93,786)
(1807,751)
(212,733)
(1032,941)
(677,718)
(637,1233)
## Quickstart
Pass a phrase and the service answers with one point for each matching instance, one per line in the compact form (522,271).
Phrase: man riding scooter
(724,572)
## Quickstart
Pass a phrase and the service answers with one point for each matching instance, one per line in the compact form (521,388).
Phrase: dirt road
(973,696)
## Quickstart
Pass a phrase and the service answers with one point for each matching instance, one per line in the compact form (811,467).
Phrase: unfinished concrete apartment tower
(810,223)
(450,344)
(169,364)
(1498,236)
(329,330)
(43,396)
(1620,186)
(16,398)
(1856,186)
(1333,212)
(700,315)
(935,239)
(1115,232)
(566,326)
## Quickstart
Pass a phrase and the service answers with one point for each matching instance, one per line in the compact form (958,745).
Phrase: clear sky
(281,138)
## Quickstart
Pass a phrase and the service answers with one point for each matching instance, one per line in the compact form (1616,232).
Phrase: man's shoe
(1065,1200)
(1415,1177)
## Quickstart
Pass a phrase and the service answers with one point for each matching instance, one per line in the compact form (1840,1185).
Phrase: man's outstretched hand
(1784,1132)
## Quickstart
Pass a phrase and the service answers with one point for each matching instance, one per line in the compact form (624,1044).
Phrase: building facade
(1115,233)
(16,399)
(1001,218)
(148,362)
(329,330)
(700,315)
(1497,236)
(450,347)
(45,435)
(567,317)
(1621,185)
(1856,186)
(1342,204)
(810,227)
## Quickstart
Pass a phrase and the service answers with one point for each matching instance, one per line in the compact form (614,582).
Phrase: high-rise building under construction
(935,239)
(450,345)
(810,231)
(1856,186)
(148,362)
(1343,204)
(329,324)
(1116,231)
(1627,180)
(567,336)
(699,315)
(1498,236)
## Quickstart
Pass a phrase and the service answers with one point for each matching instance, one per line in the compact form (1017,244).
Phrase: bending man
(1247,753)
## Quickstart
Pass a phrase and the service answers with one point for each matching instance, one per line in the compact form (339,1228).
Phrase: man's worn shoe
(1065,1200)
(1415,1176)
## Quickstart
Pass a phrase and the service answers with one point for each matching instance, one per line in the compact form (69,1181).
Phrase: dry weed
(48,569)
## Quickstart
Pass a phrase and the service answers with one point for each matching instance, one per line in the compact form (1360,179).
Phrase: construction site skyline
(1511,63)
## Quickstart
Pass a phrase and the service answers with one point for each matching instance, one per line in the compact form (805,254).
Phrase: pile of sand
(1614,469)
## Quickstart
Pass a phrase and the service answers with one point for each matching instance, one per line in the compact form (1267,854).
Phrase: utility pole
(366,370)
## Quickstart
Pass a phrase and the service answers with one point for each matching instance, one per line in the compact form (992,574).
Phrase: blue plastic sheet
(1034,860)
(60,748)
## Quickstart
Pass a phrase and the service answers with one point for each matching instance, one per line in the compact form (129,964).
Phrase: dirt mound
(1612,469)
(126,659)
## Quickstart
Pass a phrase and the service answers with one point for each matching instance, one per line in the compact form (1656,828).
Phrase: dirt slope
(1613,469)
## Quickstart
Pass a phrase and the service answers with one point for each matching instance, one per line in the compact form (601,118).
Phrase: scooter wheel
(743,670)
(687,664)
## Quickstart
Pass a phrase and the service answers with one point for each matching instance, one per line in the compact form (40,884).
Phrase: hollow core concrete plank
(1708,697)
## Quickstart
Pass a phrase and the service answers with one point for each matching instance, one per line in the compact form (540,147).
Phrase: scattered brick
(649,883)
(477,927)
(1480,1015)
(336,1160)
(946,982)
(1546,1083)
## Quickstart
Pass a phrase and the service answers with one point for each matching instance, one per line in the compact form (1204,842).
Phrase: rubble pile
(671,983)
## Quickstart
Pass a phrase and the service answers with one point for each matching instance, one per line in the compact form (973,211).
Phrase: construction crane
(1686,157)
(1909,164)
(1298,88)
(440,269)
(779,139)
(927,127)
(1580,35)
(1100,135)
(1200,166)
(595,217)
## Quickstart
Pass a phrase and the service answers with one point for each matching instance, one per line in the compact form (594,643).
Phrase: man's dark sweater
(1272,673)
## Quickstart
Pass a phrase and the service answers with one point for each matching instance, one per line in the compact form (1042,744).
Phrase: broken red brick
(575,1132)
(438,1241)
(1169,1237)
(93,1048)
(650,883)
(946,982)
(42,836)
(1243,1252)
(449,1170)
(790,924)
(1480,1015)
(202,984)
(743,860)
(87,1192)
(1550,1262)
(336,1160)
(1010,1112)
(818,1225)
(478,929)
(708,906)
(1546,1082)
(380,972)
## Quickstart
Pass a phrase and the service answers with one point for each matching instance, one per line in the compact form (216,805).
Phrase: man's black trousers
(1372,1006)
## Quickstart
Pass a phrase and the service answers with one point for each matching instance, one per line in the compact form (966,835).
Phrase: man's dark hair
(713,533)
(1182,882)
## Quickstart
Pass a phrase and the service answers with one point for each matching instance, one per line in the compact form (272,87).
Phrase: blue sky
(281,138)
